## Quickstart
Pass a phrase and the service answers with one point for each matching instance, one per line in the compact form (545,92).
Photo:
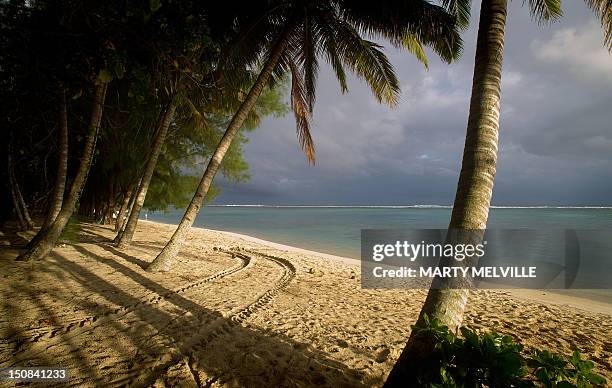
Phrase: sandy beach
(239,311)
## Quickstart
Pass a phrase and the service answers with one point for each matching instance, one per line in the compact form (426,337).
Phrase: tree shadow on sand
(134,260)
(173,339)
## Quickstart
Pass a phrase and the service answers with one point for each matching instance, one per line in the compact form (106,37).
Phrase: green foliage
(494,360)
(174,191)
(556,371)
(192,142)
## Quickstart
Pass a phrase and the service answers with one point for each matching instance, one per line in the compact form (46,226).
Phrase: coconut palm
(45,240)
(175,51)
(62,161)
(289,37)
(124,236)
(448,300)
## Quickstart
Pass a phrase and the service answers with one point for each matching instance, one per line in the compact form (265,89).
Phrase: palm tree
(124,236)
(447,301)
(179,61)
(21,209)
(45,240)
(62,161)
(125,206)
(289,37)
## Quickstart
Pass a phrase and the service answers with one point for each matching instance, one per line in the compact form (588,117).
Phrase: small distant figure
(146,216)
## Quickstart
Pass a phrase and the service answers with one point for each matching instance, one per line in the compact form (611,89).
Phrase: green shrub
(492,360)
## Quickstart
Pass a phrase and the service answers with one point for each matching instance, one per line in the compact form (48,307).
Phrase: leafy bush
(493,360)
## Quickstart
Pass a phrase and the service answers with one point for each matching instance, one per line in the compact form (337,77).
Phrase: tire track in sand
(150,370)
(64,332)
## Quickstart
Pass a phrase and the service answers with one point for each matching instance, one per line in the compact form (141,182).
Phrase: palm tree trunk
(62,162)
(24,208)
(124,238)
(45,240)
(20,220)
(127,196)
(12,183)
(130,206)
(134,193)
(110,204)
(164,260)
(474,190)
(23,216)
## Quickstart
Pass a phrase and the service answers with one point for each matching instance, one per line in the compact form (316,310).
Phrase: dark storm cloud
(555,136)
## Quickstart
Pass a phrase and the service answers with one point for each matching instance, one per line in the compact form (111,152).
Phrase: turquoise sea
(336,230)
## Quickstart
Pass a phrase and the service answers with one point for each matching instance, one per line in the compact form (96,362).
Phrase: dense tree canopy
(152,51)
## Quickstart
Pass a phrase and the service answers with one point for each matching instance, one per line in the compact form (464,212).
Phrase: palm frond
(282,67)
(603,9)
(328,44)
(414,46)
(367,61)
(545,10)
(393,19)
(336,64)
(256,31)
(309,60)
(299,104)
(460,9)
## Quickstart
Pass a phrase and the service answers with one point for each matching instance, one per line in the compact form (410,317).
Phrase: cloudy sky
(555,132)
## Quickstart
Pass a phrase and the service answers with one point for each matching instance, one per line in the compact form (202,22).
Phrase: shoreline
(423,206)
(594,301)
(273,315)
(285,247)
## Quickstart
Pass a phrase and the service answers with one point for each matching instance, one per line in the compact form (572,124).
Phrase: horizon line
(417,206)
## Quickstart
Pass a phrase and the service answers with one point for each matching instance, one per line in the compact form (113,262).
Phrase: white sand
(265,315)
(597,301)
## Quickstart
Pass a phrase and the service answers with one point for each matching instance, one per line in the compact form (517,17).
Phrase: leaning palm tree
(289,37)
(447,301)
(57,198)
(124,236)
(45,240)
(186,94)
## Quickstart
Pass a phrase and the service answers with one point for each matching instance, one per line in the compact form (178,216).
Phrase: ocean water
(337,230)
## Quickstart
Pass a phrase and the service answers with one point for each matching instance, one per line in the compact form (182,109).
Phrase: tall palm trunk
(164,260)
(16,193)
(130,206)
(17,206)
(125,203)
(45,240)
(62,162)
(23,225)
(474,190)
(110,204)
(23,216)
(24,208)
(124,238)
